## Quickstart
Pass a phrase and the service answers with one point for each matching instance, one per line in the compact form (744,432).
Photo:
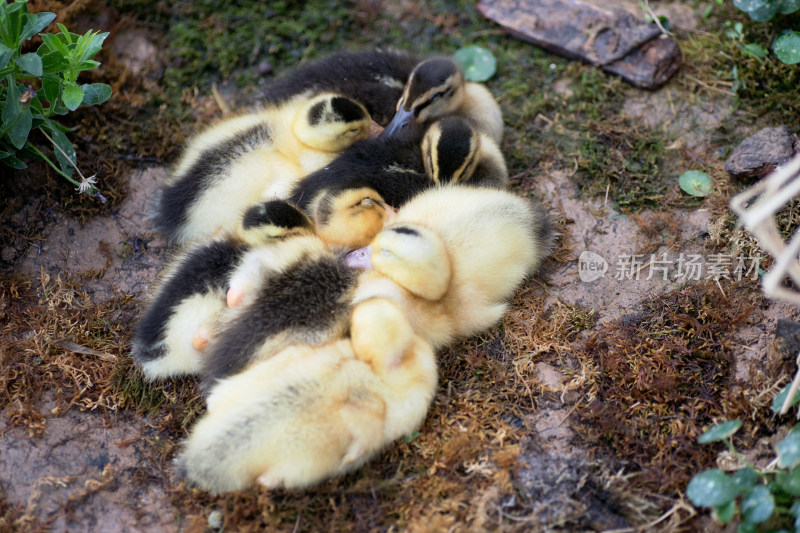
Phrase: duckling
(453,257)
(191,295)
(310,413)
(375,78)
(294,291)
(252,157)
(436,88)
(390,166)
(455,152)
(397,168)
(348,217)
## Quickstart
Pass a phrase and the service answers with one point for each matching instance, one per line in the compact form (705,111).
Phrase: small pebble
(215,520)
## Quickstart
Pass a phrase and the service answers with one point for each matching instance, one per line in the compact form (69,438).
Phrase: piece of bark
(614,40)
(761,153)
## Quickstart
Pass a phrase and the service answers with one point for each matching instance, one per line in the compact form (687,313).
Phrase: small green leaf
(789,482)
(746,527)
(51,89)
(787,47)
(13,162)
(60,139)
(54,62)
(72,95)
(30,63)
(789,6)
(479,64)
(744,479)
(789,450)
(18,134)
(5,55)
(696,183)
(757,505)
(712,488)
(777,402)
(35,24)
(95,93)
(758,10)
(720,431)
(95,44)
(754,50)
(724,513)
(87,64)
(412,436)
(54,43)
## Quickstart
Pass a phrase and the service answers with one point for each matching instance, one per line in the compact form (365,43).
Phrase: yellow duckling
(436,88)
(308,413)
(253,157)
(348,217)
(190,297)
(453,257)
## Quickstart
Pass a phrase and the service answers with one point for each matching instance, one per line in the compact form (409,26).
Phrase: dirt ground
(103,465)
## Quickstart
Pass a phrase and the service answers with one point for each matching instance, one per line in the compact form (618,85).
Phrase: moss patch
(664,376)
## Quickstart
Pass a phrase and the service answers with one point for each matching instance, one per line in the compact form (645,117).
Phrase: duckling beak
(401,120)
(359,258)
(391,214)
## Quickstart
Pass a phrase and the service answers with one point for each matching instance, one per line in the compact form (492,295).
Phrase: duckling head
(435,88)
(412,256)
(271,220)
(450,150)
(331,122)
(348,216)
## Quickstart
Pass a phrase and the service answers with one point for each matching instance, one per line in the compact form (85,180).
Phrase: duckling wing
(375,78)
(306,302)
(202,269)
(203,165)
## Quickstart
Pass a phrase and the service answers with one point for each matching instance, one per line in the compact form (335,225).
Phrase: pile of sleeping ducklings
(321,267)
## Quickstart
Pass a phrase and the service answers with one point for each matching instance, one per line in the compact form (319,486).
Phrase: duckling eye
(367,202)
(437,96)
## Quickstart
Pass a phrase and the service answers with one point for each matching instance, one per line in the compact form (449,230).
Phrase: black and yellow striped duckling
(253,157)
(397,168)
(375,78)
(456,153)
(295,291)
(191,295)
(310,413)
(453,257)
(436,88)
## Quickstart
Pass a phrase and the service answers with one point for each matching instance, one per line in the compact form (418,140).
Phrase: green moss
(625,160)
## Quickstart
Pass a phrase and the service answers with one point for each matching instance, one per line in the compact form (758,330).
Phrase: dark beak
(401,120)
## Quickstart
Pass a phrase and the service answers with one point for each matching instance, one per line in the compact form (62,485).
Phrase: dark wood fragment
(612,39)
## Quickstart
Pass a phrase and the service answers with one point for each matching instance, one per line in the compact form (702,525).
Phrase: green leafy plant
(34,87)
(758,496)
(786,45)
